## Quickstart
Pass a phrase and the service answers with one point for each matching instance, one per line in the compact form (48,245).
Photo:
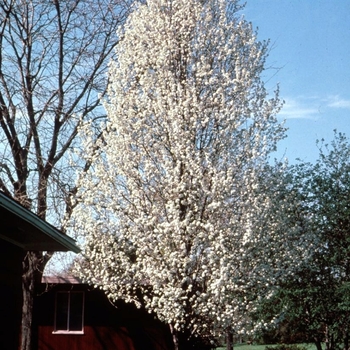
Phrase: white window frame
(67,331)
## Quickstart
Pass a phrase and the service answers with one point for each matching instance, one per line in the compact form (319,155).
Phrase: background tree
(174,205)
(315,299)
(53,59)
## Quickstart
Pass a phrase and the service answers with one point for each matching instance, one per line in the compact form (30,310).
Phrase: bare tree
(53,58)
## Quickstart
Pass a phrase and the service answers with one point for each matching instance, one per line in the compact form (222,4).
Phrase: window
(69,312)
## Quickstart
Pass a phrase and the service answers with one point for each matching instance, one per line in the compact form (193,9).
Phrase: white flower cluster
(173,206)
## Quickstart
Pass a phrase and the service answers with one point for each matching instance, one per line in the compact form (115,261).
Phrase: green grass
(262,347)
(245,347)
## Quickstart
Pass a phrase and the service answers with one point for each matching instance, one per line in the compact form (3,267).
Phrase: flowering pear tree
(174,213)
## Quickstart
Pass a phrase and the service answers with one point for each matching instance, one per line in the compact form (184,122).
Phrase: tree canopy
(176,210)
(53,59)
(315,298)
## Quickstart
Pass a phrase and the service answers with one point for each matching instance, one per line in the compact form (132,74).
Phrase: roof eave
(67,242)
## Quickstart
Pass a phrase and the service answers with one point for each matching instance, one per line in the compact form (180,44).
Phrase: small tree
(315,298)
(53,59)
(174,211)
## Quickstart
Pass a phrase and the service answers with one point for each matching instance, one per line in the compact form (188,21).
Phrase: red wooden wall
(105,326)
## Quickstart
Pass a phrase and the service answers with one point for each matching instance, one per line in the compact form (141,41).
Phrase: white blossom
(174,205)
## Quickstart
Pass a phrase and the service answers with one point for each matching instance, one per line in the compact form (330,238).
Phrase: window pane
(61,311)
(76,311)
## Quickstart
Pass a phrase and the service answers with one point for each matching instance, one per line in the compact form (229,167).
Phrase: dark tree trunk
(318,344)
(31,275)
(175,337)
(346,342)
(27,305)
(229,340)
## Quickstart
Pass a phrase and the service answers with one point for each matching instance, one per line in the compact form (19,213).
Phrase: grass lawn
(262,347)
(245,347)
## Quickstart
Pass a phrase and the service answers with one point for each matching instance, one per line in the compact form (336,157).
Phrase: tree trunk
(30,270)
(327,340)
(229,340)
(318,344)
(346,342)
(174,334)
(332,342)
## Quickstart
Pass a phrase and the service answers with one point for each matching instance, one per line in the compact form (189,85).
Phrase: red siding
(102,338)
(105,326)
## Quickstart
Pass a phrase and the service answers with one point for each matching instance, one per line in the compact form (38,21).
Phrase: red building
(71,315)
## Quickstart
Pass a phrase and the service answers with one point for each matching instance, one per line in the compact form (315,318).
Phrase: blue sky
(310,59)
